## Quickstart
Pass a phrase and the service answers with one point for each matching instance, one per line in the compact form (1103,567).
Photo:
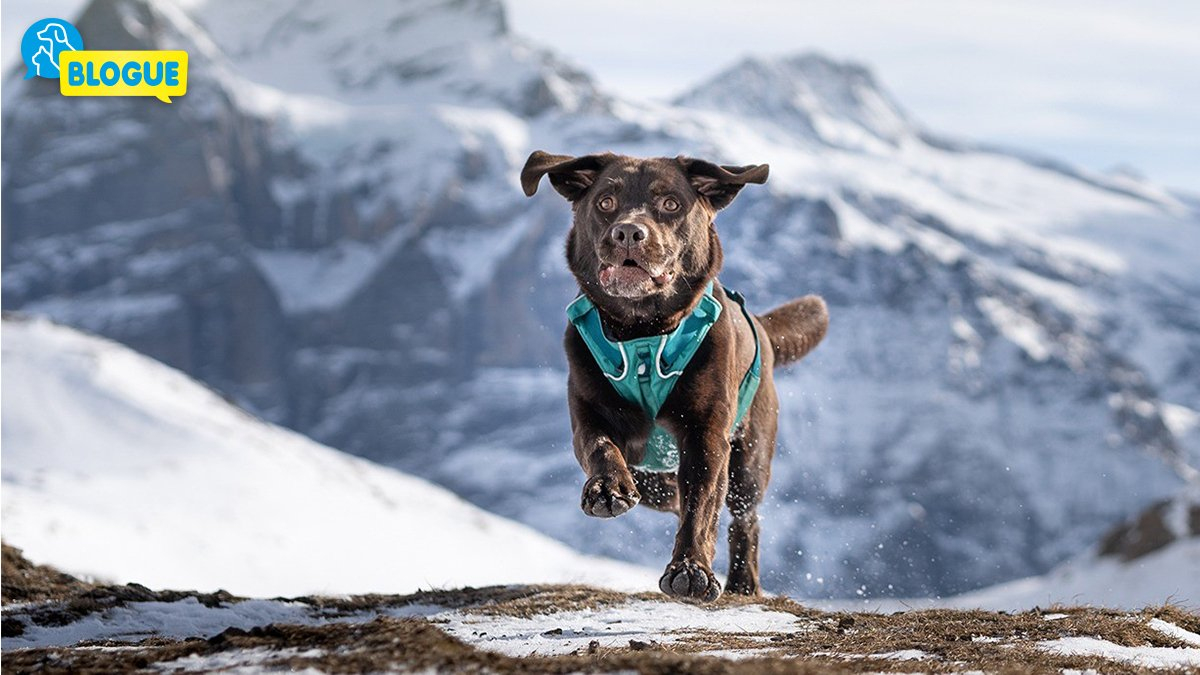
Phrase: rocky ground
(56,623)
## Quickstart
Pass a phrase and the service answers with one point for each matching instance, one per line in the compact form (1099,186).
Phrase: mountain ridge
(1006,337)
(817,93)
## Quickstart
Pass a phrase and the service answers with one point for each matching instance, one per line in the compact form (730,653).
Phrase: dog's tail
(796,327)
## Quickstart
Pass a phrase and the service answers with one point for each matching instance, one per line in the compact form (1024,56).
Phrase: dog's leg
(609,490)
(749,472)
(601,421)
(703,479)
(745,492)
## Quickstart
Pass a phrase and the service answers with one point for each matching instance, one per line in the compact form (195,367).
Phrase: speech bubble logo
(43,45)
(161,74)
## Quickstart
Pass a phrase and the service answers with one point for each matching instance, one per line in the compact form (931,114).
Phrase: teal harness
(644,370)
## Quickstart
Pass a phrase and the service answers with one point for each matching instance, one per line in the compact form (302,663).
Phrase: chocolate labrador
(670,390)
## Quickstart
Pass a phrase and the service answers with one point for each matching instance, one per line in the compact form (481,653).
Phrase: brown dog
(644,249)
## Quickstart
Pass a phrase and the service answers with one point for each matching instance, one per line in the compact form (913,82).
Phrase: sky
(1098,83)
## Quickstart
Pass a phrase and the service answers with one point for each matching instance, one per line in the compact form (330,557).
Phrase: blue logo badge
(42,44)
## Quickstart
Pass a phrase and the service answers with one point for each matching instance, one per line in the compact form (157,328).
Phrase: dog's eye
(670,205)
(607,203)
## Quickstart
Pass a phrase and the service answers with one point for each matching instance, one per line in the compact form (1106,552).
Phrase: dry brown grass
(414,644)
(818,642)
(25,582)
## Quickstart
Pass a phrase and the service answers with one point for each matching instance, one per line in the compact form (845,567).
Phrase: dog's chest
(644,371)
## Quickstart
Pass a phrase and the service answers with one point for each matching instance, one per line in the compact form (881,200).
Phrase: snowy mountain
(329,229)
(120,468)
(829,103)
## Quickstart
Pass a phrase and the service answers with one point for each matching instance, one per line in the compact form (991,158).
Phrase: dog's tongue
(623,274)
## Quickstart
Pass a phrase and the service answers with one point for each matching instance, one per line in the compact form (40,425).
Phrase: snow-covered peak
(384,51)
(147,24)
(837,103)
(251,29)
(128,25)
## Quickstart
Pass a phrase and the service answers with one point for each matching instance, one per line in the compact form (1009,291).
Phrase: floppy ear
(720,184)
(571,176)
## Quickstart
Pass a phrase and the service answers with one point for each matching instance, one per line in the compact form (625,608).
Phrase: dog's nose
(629,234)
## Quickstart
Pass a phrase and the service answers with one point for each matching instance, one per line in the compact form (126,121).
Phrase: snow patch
(1149,657)
(1017,328)
(567,632)
(237,660)
(472,254)
(1181,420)
(902,655)
(185,618)
(1176,632)
(859,230)
(306,281)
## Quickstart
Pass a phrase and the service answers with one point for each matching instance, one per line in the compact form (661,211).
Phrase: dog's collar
(644,370)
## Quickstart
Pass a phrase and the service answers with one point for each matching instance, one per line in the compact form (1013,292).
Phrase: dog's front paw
(687,579)
(606,496)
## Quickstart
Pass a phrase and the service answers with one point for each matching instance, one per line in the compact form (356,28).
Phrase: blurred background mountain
(328,229)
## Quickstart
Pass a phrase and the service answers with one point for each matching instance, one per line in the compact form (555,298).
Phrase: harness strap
(750,381)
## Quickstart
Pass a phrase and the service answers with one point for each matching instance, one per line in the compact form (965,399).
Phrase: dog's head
(643,228)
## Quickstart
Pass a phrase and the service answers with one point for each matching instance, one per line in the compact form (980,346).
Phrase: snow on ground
(644,621)
(731,632)
(1174,631)
(1150,657)
(667,623)
(118,467)
(178,620)
(561,632)
(243,661)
